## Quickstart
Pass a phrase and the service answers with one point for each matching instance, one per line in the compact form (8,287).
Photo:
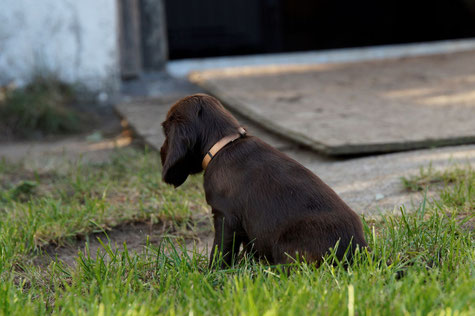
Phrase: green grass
(433,244)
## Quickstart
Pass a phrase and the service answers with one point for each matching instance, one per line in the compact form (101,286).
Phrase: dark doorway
(203,28)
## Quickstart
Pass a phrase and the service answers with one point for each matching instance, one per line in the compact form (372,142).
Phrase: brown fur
(259,196)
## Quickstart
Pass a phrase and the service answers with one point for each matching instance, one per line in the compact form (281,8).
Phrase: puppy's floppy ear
(176,166)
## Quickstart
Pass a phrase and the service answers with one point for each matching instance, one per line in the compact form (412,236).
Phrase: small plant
(429,176)
(43,106)
(23,190)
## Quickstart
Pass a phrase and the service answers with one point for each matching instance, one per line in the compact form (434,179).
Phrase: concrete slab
(353,108)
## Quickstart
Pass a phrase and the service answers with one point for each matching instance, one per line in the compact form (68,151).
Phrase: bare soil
(137,236)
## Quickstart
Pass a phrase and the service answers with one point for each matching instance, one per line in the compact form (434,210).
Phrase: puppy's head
(192,126)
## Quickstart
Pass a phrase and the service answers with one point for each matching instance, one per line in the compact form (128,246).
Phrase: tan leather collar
(219,145)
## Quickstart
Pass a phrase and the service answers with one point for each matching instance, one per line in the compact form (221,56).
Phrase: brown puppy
(259,196)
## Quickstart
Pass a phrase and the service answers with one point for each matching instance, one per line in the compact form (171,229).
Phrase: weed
(44,106)
(429,176)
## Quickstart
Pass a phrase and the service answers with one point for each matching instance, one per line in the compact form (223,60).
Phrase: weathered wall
(75,39)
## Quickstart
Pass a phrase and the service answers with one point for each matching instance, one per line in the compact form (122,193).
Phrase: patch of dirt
(134,235)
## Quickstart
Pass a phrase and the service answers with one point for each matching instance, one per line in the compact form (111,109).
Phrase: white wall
(76,39)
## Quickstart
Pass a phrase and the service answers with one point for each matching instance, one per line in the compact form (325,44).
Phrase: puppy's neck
(213,151)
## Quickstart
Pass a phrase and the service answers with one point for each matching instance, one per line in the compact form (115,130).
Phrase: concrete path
(56,154)
(370,185)
(354,108)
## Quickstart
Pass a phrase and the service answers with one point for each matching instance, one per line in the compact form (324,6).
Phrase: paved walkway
(353,108)
(370,185)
